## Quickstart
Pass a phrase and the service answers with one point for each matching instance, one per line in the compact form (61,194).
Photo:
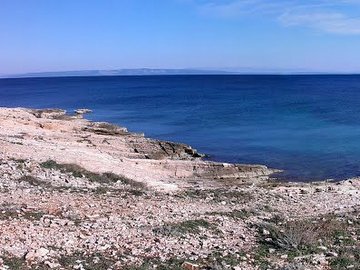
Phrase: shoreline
(279,174)
(252,172)
(117,150)
(76,194)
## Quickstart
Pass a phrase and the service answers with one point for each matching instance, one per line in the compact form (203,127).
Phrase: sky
(280,35)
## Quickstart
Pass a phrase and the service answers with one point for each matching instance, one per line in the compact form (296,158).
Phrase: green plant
(95,261)
(33,181)
(235,214)
(14,262)
(77,171)
(184,227)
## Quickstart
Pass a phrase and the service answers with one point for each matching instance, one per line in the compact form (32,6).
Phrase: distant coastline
(164,72)
(118,72)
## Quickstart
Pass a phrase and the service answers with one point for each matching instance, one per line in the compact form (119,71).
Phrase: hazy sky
(44,35)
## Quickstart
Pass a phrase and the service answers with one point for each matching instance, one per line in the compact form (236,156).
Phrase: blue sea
(308,125)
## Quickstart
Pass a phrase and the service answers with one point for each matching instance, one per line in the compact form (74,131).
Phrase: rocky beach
(76,194)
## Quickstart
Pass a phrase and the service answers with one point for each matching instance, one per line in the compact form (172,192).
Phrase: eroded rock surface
(103,147)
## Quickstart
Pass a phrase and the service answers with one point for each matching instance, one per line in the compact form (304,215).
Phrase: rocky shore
(76,194)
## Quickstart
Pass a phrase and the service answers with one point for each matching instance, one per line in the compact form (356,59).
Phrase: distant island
(118,72)
(158,71)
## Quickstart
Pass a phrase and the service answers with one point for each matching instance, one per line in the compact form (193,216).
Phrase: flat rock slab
(51,134)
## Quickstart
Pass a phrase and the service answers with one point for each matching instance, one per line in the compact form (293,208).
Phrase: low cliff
(102,147)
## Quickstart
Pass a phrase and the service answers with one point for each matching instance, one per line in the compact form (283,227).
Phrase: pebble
(35,254)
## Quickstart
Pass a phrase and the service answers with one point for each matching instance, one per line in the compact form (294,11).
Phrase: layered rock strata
(51,134)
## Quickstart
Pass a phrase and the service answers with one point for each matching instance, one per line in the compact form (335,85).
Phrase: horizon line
(132,72)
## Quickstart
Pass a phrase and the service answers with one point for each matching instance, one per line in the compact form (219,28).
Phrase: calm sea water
(307,125)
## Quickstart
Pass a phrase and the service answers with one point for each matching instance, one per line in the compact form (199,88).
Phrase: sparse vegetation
(236,214)
(18,160)
(9,212)
(95,261)
(135,192)
(136,189)
(77,171)
(36,182)
(33,181)
(218,195)
(217,260)
(14,262)
(328,234)
(184,227)
(173,264)
(222,260)
(349,258)
(20,164)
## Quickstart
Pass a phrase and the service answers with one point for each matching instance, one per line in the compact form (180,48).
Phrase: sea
(306,125)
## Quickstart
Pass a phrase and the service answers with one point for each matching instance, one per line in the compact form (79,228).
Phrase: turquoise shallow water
(307,125)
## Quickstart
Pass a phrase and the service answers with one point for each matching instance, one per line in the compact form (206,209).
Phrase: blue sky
(312,35)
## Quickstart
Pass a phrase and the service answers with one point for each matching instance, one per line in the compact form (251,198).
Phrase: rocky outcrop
(47,113)
(98,146)
(82,111)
